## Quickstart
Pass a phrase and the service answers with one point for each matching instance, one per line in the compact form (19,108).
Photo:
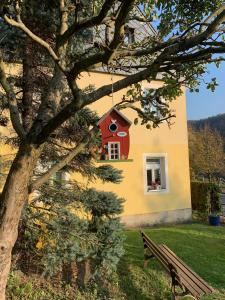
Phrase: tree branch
(213,15)
(204,54)
(61,49)
(19,24)
(107,53)
(165,53)
(179,43)
(94,21)
(141,112)
(12,101)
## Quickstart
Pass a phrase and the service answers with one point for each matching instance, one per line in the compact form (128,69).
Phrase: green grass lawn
(200,246)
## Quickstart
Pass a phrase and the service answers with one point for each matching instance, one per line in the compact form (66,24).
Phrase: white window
(155,173)
(60,178)
(114,150)
(129,36)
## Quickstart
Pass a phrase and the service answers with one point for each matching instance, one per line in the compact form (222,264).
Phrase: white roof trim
(118,112)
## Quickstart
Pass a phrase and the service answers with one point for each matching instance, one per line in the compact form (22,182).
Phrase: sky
(206,103)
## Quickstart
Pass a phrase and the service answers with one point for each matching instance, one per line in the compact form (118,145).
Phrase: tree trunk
(28,85)
(13,197)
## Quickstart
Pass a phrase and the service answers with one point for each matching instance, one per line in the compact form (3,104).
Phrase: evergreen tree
(71,226)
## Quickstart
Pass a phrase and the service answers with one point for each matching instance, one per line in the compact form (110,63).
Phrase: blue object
(214,220)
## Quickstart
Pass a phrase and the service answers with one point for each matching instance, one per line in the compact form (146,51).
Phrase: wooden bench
(182,276)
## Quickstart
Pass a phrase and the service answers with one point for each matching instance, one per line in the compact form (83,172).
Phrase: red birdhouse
(114,127)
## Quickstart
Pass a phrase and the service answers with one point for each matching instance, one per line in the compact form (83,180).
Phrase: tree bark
(28,79)
(13,197)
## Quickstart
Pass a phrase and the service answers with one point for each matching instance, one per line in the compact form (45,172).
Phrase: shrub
(68,231)
(200,197)
(215,191)
(205,197)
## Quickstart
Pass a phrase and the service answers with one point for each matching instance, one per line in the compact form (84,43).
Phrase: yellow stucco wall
(171,141)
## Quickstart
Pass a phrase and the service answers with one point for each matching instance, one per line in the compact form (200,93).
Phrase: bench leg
(174,284)
(179,296)
(176,296)
(147,257)
(145,263)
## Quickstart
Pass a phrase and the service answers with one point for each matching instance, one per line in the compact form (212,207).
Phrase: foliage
(215,198)
(71,224)
(22,288)
(205,197)
(206,152)
(200,197)
(217,123)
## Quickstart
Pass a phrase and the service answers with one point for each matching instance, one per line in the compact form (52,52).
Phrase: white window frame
(109,150)
(160,156)
(63,180)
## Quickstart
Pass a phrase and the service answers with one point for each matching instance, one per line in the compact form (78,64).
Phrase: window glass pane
(58,178)
(153,161)
(149,177)
(129,36)
(155,173)
(157,176)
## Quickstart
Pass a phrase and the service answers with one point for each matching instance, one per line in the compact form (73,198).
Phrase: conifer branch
(62,163)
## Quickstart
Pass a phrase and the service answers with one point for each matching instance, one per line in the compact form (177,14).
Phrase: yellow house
(156,183)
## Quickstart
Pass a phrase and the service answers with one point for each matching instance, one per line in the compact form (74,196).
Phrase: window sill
(157,191)
(114,161)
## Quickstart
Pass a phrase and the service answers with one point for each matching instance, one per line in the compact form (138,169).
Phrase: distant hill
(217,123)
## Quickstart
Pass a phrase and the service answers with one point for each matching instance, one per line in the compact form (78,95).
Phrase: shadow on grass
(138,283)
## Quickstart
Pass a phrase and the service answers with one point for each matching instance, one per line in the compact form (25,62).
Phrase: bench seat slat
(187,278)
(183,268)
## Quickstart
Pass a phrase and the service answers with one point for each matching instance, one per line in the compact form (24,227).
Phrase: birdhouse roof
(118,112)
